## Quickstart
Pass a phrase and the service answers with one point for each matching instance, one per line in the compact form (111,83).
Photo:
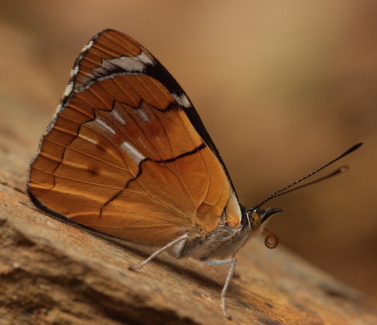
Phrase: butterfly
(128,155)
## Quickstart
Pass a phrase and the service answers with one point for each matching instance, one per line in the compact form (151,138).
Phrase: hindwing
(127,153)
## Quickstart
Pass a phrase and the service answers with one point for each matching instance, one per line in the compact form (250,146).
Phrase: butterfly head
(258,217)
(257,220)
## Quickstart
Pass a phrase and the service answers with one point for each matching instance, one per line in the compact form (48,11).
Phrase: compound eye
(255,220)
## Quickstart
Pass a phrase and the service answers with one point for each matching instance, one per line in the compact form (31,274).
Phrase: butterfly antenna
(338,171)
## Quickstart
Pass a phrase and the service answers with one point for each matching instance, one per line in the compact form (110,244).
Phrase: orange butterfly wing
(122,155)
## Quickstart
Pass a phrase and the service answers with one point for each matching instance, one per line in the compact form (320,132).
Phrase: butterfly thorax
(225,240)
(221,243)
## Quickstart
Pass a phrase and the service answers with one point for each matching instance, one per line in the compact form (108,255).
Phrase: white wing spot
(102,125)
(142,113)
(132,151)
(182,100)
(88,139)
(115,113)
(142,142)
(130,64)
(68,89)
(145,58)
(87,46)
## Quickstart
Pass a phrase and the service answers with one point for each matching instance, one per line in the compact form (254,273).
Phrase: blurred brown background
(283,87)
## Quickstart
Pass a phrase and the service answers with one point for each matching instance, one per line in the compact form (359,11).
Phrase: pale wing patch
(233,210)
(103,126)
(132,151)
(182,100)
(142,113)
(130,64)
(87,139)
(68,89)
(118,117)
(144,57)
(87,47)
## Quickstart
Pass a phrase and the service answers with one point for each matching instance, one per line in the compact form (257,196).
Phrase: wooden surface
(54,273)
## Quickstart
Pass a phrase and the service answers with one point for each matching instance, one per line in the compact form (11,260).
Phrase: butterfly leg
(158,252)
(232,262)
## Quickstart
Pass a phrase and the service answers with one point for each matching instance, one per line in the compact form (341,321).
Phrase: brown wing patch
(122,157)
